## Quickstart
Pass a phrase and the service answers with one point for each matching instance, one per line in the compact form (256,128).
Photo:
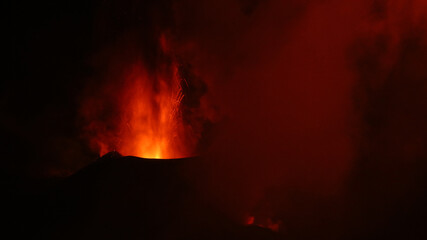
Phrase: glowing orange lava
(151,124)
(137,109)
(147,120)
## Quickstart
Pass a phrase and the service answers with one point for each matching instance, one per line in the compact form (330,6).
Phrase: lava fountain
(151,125)
(140,113)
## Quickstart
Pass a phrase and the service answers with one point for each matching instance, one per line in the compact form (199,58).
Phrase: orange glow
(151,124)
(139,112)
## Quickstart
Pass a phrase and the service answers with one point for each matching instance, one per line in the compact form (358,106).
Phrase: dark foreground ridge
(126,198)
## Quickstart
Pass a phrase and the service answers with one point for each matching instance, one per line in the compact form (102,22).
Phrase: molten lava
(150,124)
(139,112)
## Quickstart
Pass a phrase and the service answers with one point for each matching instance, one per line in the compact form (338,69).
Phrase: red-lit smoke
(284,76)
(289,92)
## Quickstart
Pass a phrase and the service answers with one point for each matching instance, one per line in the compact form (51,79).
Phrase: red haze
(285,91)
(281,80)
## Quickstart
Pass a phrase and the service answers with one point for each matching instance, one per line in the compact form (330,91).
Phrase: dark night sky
(48,49)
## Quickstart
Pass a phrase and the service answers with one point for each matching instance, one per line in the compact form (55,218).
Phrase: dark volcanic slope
(129,198)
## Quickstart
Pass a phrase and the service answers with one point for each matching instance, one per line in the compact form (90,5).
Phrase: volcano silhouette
(128,197)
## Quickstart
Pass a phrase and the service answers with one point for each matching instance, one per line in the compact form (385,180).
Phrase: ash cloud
(316,100)
(293,100)
(279,77)
(389,175)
